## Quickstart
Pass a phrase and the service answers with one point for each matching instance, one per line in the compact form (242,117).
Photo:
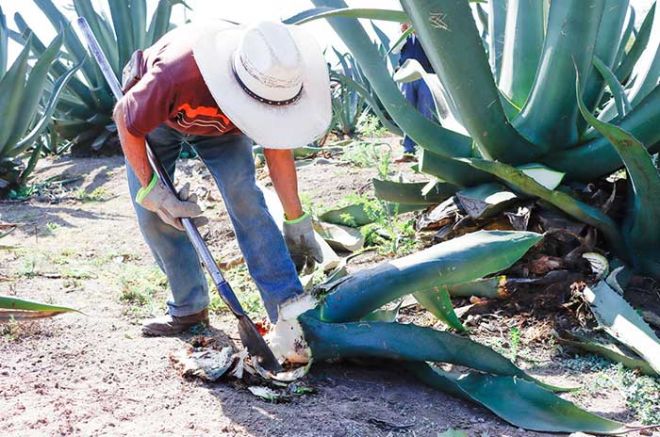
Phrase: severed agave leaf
(521,403)
(21,309)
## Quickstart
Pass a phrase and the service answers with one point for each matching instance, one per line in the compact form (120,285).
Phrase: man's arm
(282,170)
(297,228)
(134,147)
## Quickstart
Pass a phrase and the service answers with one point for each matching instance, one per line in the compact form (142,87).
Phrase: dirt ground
(78,244)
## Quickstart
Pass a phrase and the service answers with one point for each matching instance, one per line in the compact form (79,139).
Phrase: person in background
(416,92)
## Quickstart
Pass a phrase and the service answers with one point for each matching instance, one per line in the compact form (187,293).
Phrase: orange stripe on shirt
(204,111)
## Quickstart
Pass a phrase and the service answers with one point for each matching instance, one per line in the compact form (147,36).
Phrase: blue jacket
(412,49)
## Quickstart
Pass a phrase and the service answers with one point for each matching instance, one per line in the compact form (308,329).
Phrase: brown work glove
(158,199)
(300,239)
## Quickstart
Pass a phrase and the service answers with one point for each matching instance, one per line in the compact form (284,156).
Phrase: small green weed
(365,154)
(11,331)
(514,341)
(308,204)
(29,267)
(389,233)
(642,393)
(245,289)
(99,194)
(76,273)
(139,286)
(51,228)
(370,126)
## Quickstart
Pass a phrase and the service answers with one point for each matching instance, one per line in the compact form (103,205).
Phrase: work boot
(173,325)
(406,157)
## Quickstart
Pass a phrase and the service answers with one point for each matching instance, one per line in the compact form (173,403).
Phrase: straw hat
(270,79)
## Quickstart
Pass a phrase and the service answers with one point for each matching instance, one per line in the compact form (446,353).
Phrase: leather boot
(172,325)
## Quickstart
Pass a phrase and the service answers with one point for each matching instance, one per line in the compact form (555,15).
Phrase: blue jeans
(419,95)
(229,159)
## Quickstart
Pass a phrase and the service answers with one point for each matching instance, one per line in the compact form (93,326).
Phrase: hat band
(264,100)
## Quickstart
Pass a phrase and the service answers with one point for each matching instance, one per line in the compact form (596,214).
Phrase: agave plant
(28,102)
(348,104)
(345,321)
(352,95)
(525,98)
(84,114)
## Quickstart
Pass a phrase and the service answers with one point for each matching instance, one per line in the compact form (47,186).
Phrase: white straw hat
(270,79)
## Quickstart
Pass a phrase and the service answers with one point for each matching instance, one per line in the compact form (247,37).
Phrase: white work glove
(158,199)
(299,237)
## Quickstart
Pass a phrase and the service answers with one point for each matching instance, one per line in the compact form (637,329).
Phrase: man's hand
(157,198)
(299,237)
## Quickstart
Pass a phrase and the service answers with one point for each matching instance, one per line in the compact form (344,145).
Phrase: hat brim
(276,127)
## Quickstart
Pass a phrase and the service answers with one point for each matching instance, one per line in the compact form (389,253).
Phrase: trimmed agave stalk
(23,118)
(305,334)
(454,262)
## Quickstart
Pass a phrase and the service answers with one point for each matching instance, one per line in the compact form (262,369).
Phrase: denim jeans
(419,95)
(229,159)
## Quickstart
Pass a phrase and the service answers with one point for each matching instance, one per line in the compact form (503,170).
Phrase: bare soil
(92,373)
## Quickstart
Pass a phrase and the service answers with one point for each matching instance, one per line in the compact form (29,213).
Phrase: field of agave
(545,142)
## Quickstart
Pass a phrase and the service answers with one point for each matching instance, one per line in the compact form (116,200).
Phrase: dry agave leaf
(340,237)
(485,200)
(599,264)
(207,364)
(266,393)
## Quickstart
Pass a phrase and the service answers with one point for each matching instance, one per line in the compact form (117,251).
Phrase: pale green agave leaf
(608,351)
(340,237)
(413,193)
(545,176)
(360,214)
(622,322)
(618,92)
(367,13)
